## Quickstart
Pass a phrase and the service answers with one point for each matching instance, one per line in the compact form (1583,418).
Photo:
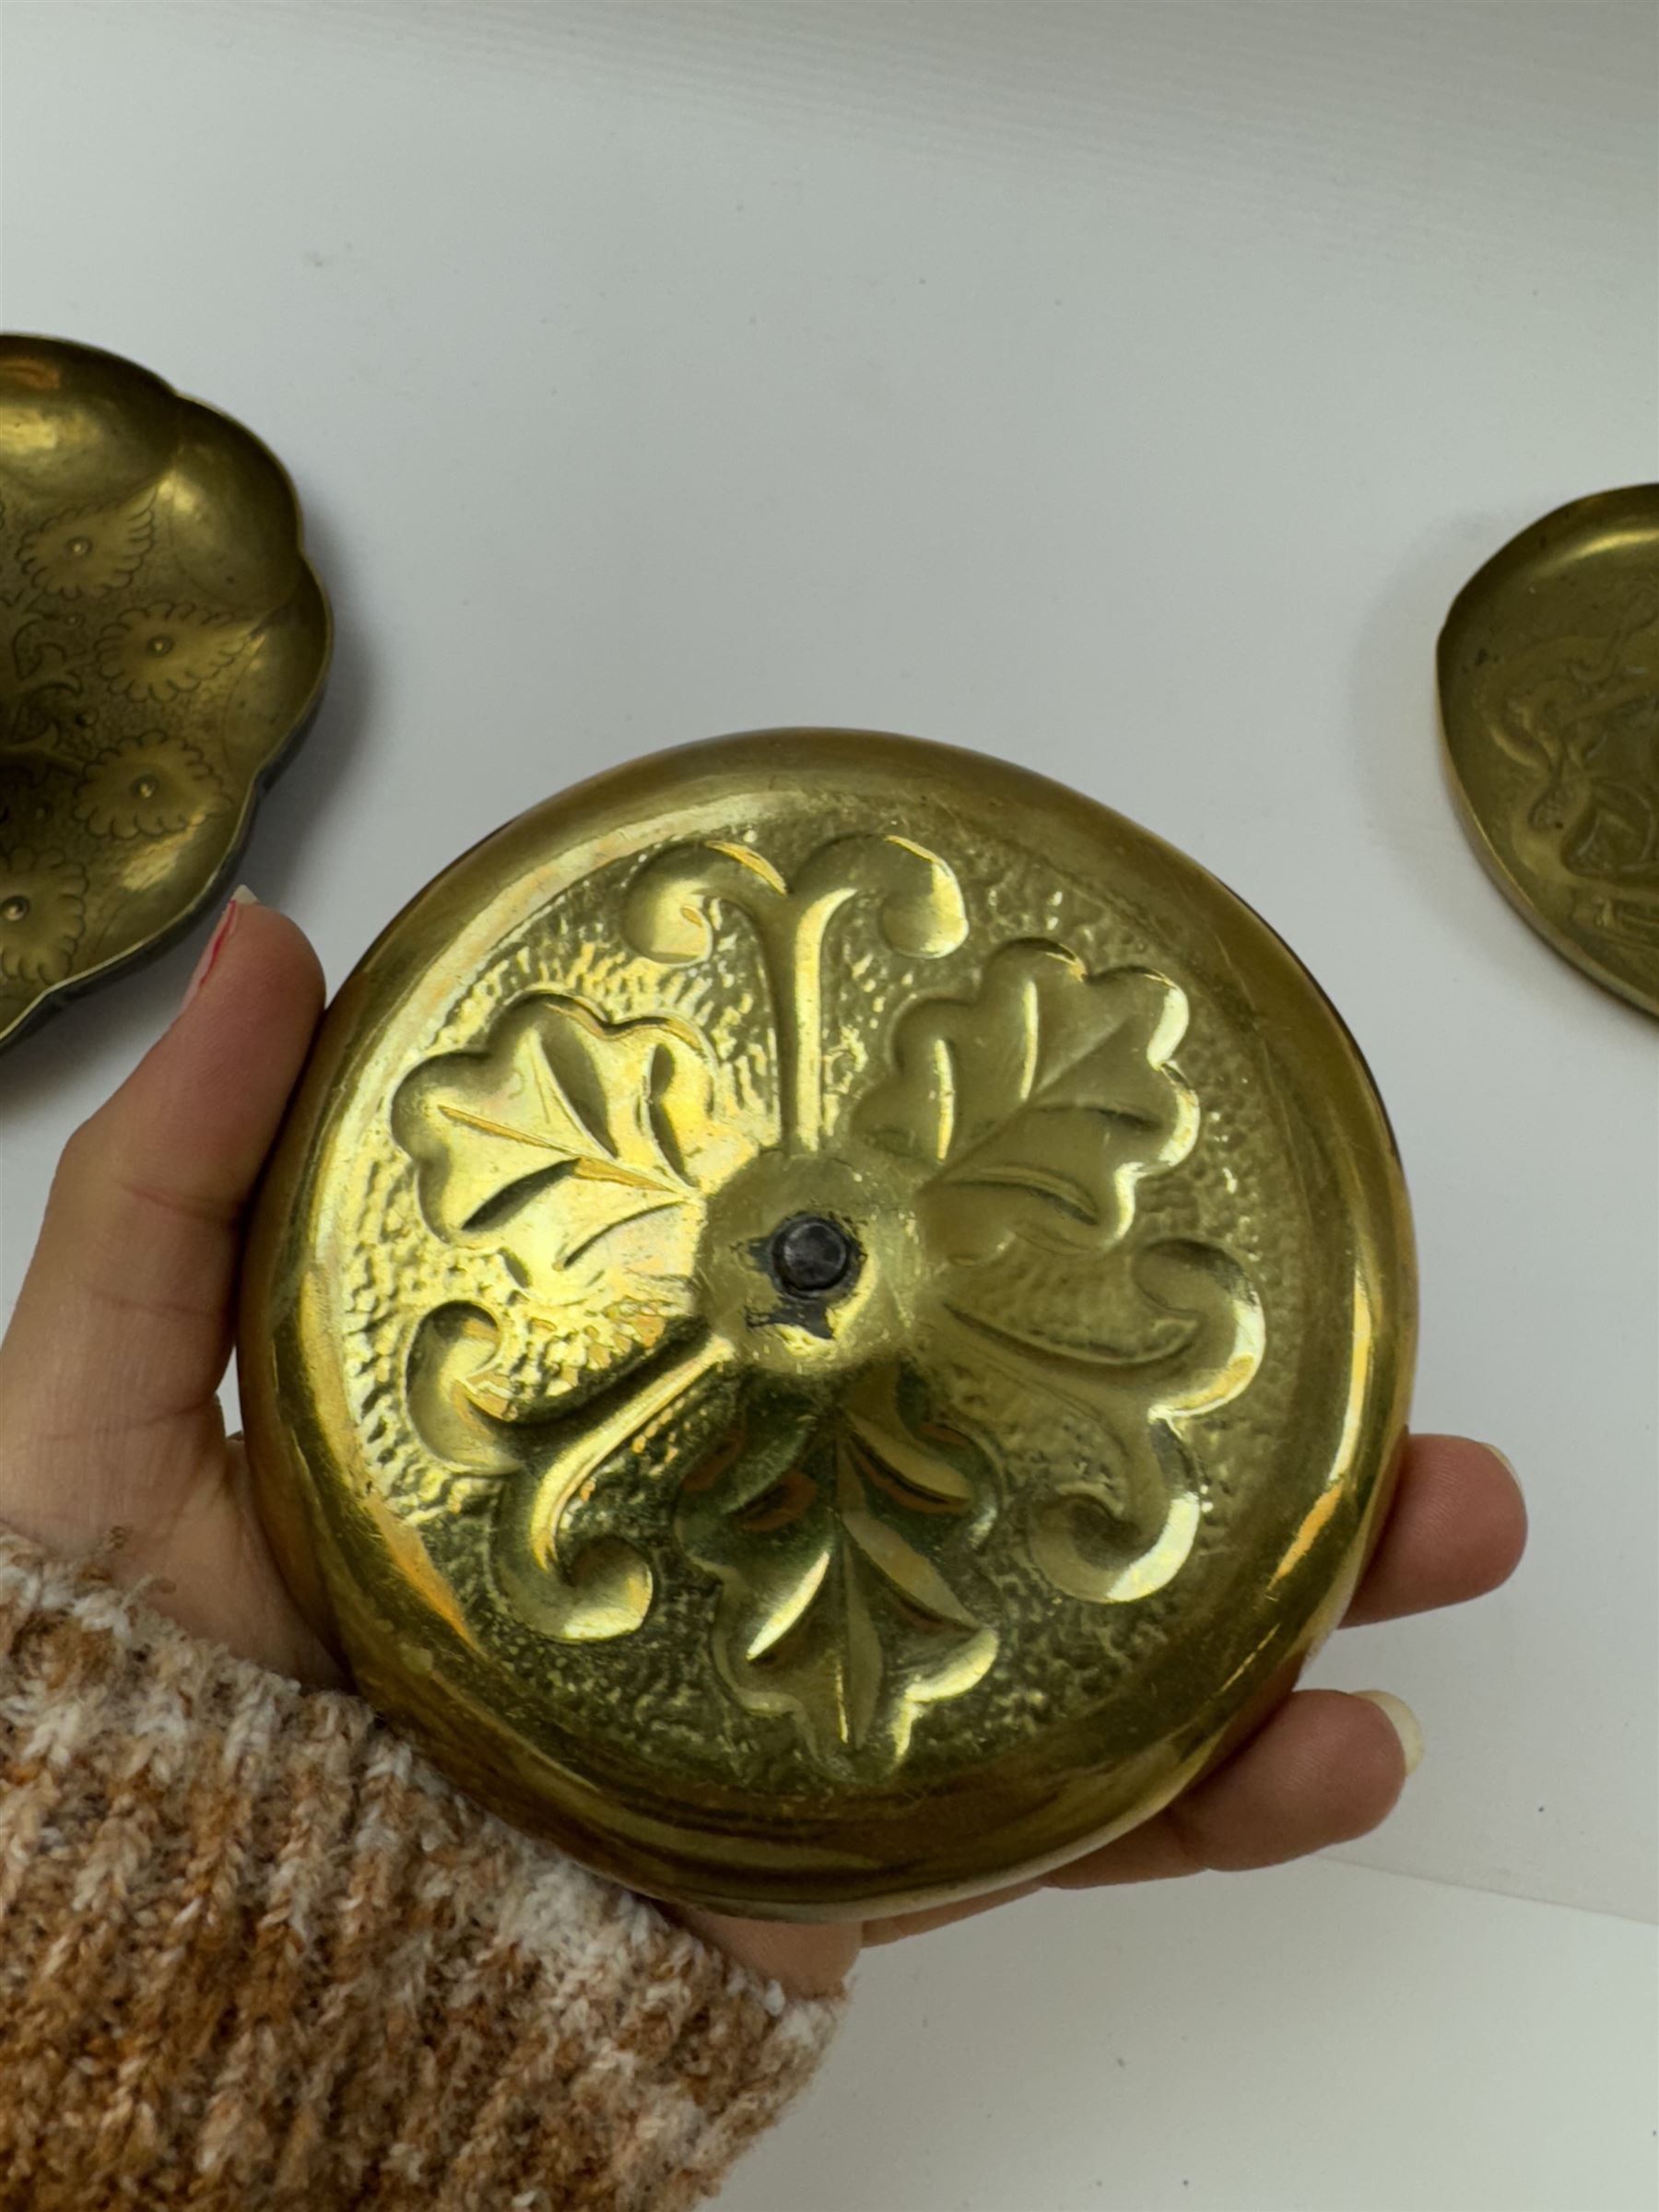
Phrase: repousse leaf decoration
(454,1346)
(830,1534)
(911,1465)
(1037,1102)
(609,1114)
(1122,1525)
(1033,1108)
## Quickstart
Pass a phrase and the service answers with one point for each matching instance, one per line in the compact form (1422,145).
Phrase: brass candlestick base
(831,1322)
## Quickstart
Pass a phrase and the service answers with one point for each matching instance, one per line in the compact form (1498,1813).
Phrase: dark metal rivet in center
(810,1256)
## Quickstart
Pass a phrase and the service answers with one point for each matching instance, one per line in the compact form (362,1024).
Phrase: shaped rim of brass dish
(830,1323)
(1548,678)
(164,643)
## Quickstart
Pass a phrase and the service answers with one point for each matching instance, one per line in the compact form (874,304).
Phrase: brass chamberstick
(831,1323)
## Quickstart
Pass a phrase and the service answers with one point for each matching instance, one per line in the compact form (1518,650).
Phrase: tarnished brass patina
(831,1323)
(164,642)
(1549,701)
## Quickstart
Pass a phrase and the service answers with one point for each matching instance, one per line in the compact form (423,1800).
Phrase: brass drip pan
(164,642)
(831,1323)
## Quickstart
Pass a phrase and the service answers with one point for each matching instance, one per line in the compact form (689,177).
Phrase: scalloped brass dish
(163,643)
(1550,703)
(831,1323)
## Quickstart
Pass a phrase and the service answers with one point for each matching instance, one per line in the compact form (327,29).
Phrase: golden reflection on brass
(1550,702)
(162,644)
(830,1323)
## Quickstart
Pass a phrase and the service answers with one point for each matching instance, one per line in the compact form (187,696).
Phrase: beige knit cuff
(255,1954)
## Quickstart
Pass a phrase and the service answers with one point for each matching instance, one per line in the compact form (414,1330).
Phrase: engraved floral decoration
(93,549)
(41,914)
(1581,719)
(39,692)
(826,1449)
(148,785)
(162,639)
(155,652)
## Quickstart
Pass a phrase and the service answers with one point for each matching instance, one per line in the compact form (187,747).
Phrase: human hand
(109,1421)
(1327,1766)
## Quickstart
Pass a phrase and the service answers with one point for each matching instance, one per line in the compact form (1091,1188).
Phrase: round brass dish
(1549,701)
(162,644)
(831,1322)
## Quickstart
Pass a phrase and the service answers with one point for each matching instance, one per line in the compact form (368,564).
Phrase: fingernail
(240,898)
(1401,1720)
(1504,1460)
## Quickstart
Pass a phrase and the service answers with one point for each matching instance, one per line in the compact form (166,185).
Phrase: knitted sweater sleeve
(256,1957)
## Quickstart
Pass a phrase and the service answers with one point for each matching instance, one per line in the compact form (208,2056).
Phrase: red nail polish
(240,898)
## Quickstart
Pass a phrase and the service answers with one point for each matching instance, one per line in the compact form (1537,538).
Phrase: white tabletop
(1126,389)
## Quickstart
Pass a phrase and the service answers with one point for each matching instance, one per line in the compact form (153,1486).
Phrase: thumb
(123,1326)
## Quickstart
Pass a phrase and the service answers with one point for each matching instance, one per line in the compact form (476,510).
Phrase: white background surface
(1127,390)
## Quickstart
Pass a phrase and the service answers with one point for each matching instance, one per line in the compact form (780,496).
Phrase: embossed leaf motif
(827,1534)
(609,1114)
(1033,1109)
(833,1495)
(1038,1103)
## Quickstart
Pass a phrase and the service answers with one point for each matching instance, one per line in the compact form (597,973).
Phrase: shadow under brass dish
(1550,703)
(164,642)
(830,1323)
